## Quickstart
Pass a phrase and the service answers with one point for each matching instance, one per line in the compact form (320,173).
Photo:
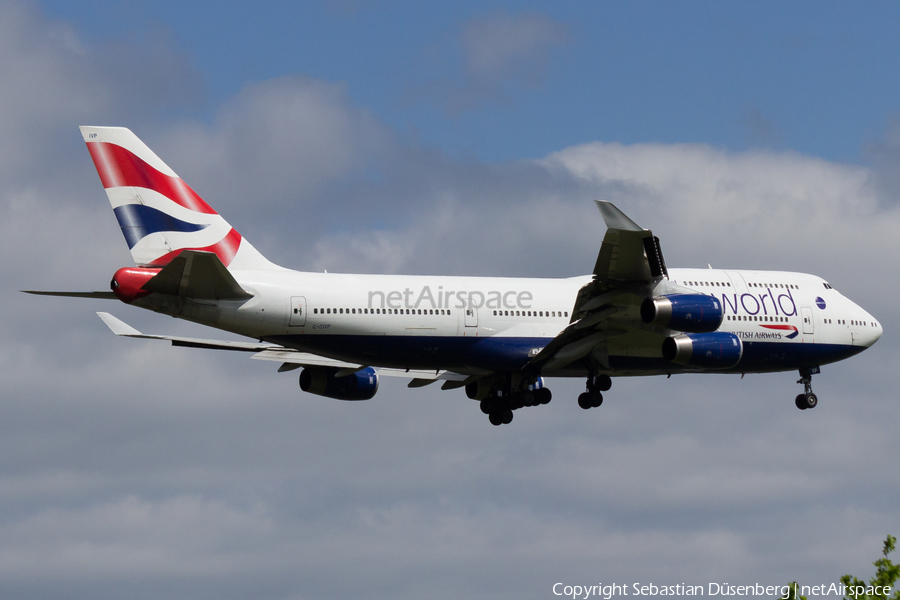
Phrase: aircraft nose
(872,333)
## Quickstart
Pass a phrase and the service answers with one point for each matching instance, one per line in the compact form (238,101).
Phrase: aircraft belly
(420,351)
(779,356)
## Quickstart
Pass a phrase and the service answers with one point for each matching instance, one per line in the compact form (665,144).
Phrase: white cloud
(277,143)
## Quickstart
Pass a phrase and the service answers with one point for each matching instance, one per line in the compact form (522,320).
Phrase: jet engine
(691,313)
(718,350)
(321,381)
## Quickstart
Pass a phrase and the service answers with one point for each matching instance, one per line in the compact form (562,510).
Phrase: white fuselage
(467,323)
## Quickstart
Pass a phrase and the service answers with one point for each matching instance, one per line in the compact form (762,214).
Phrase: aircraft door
(298,311)
(471,316)
(737,280)
(806,314)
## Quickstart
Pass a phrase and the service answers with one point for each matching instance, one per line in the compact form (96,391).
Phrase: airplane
(499,338)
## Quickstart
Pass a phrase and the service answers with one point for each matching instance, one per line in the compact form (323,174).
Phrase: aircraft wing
(290,358)
(628,266)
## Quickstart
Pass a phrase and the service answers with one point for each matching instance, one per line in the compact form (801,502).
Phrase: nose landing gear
(807,399)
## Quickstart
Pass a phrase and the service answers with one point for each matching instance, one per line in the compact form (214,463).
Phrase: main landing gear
(499,408)
(807,399)
(592,398)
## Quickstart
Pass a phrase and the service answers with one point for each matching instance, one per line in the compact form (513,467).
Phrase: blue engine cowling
(321,381)
(691,313)
(719,350)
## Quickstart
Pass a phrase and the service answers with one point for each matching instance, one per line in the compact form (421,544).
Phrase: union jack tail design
(160,215)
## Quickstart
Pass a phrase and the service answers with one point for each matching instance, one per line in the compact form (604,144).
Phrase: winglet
(118,326)
(615,218)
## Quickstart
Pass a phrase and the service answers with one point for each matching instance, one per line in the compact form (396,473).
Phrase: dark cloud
(52,79)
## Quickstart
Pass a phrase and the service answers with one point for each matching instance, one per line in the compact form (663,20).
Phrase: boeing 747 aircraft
(498,338)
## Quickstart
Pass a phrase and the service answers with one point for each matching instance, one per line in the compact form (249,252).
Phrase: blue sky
(462,139)
(819,78)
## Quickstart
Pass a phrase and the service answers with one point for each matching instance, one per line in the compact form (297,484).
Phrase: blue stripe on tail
(137,221)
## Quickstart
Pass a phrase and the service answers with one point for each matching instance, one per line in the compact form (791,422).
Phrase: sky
(460,139)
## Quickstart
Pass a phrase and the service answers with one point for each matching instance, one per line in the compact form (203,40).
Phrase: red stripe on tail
(118,167)
(225,249)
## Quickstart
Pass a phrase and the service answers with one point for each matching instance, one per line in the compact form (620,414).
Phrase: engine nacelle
(321,381)
(691,313)
(718,350)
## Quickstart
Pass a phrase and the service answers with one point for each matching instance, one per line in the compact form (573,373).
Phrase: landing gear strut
(807,399)
(592,398)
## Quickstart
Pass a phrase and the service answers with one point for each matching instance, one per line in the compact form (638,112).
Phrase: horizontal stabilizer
(95,295)
(195,274)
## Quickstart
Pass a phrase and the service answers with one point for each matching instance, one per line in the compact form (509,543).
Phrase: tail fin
(160,215)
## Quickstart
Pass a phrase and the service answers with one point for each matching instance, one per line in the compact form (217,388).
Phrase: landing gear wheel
(585,401)
(602,383)
(507,417)
(528,398)
(486,405)
(596,399)
(810,400)
(804,401)
(543,396)
(496,418)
